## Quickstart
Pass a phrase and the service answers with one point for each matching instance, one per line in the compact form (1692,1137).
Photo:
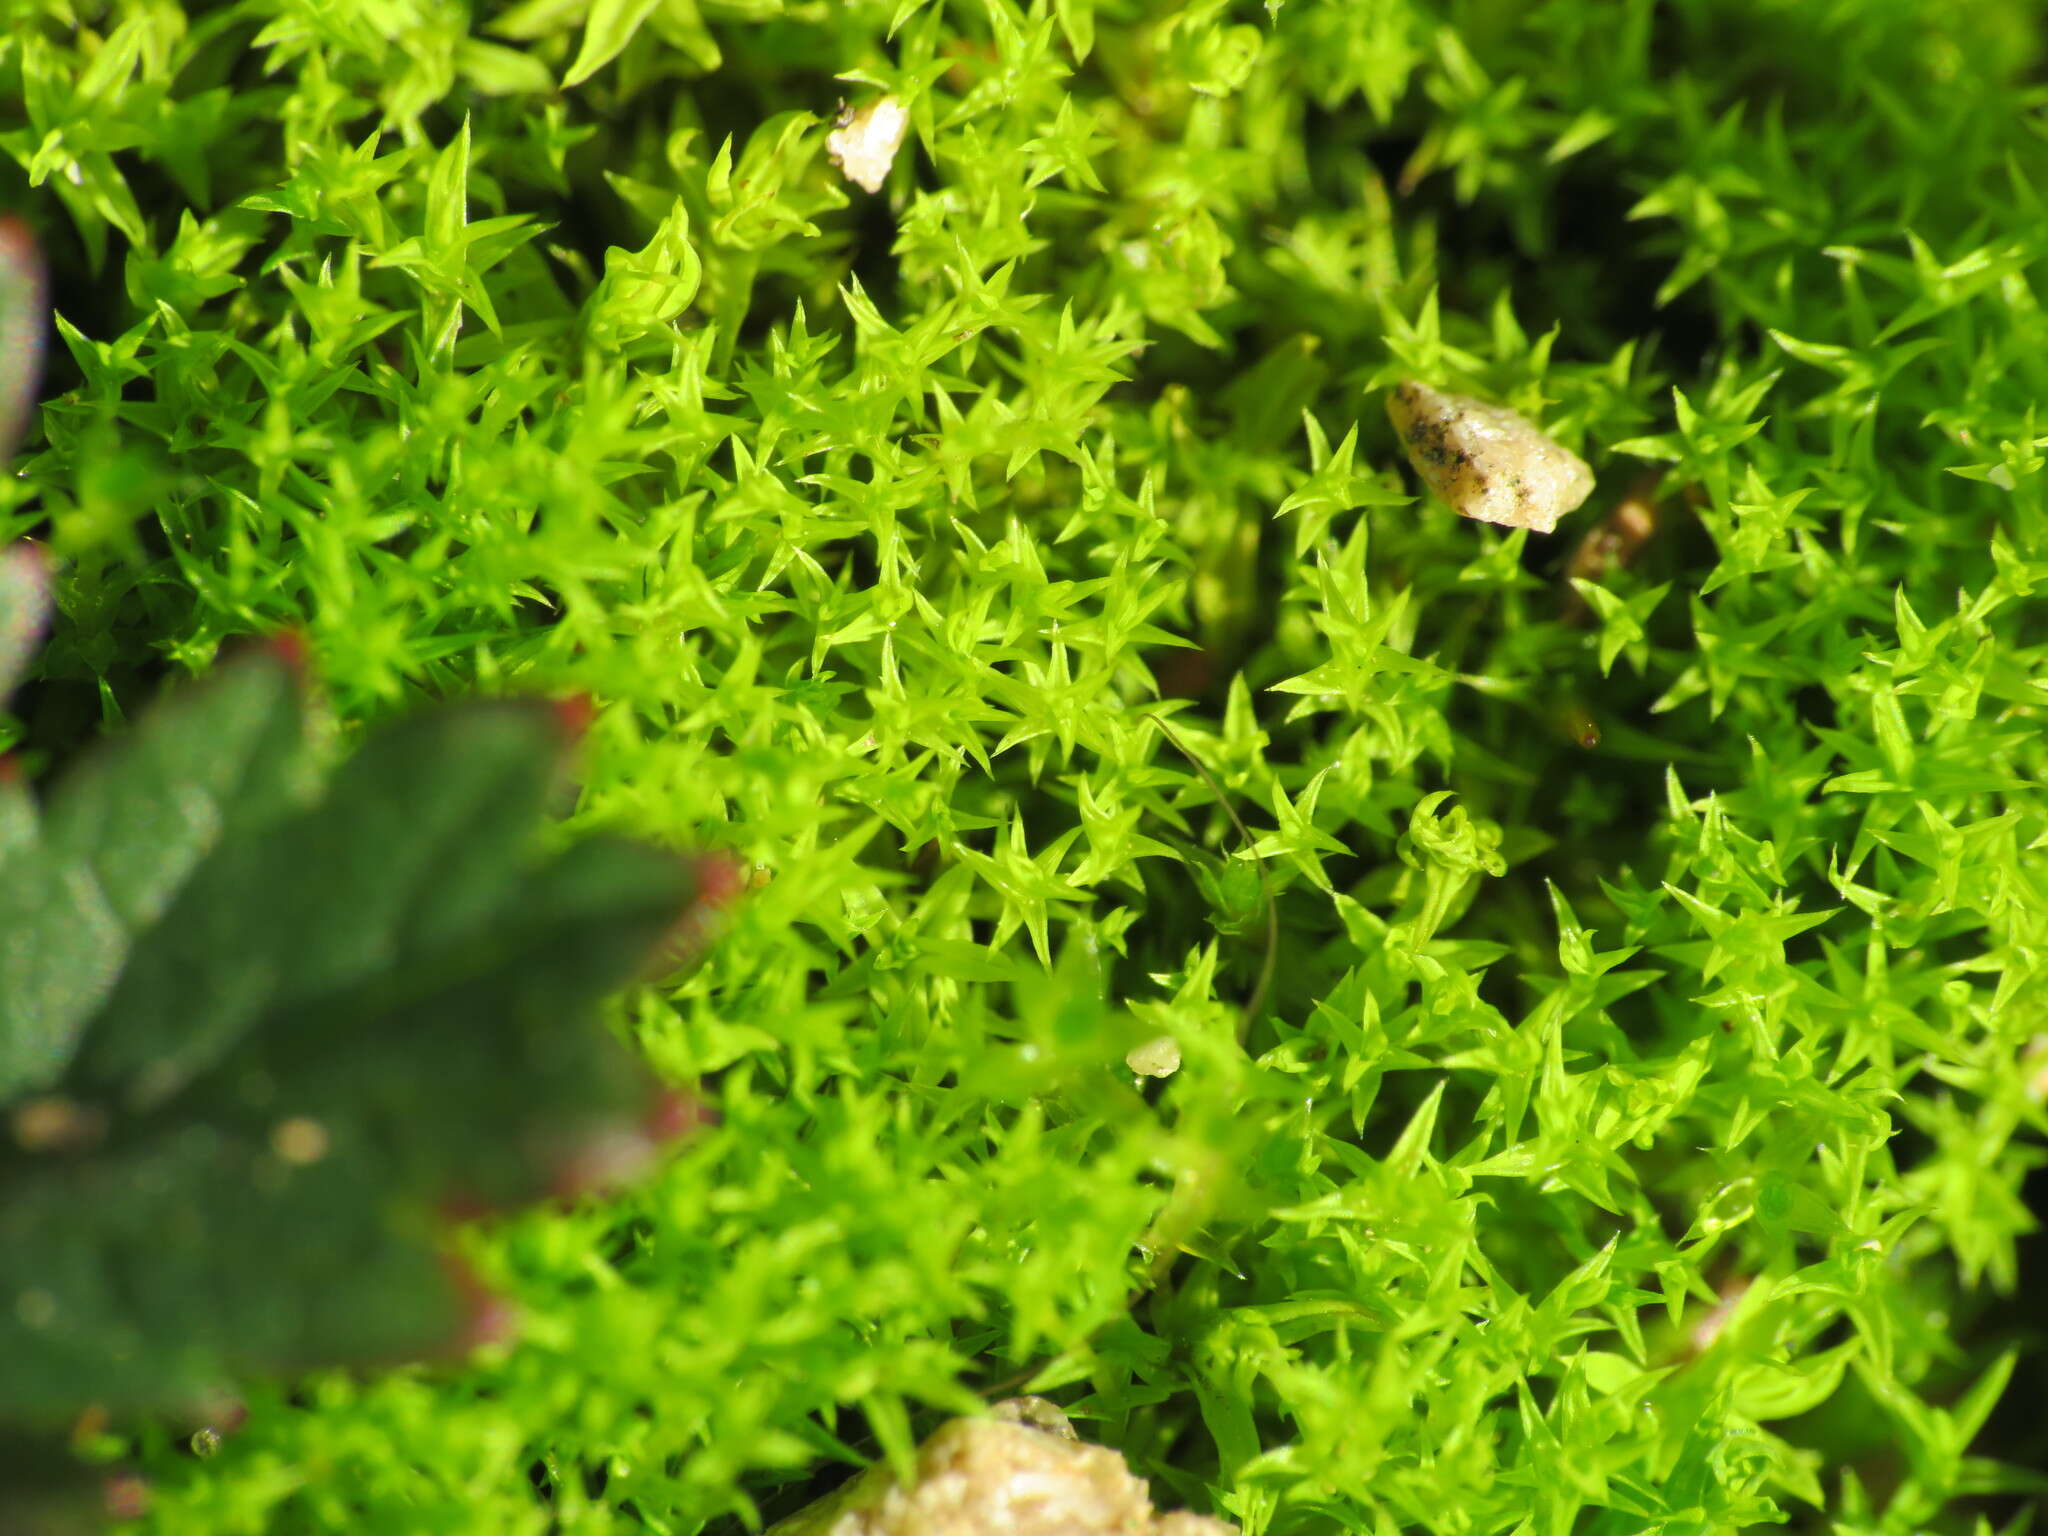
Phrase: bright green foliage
(1633,1134)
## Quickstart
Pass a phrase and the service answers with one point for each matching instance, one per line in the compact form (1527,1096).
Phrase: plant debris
(1619,537)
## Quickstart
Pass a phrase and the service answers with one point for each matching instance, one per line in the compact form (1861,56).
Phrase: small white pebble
(1155,1058)
(864,143)
(1487,462)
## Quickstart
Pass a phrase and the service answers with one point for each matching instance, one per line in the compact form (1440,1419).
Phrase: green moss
(544,348)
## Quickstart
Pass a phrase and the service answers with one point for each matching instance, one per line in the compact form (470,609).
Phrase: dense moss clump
(1628,1126)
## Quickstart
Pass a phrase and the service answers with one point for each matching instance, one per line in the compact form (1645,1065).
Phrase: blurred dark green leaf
(307,1019)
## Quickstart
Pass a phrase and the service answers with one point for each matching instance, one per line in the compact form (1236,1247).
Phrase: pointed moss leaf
(611,26)
(24,315)
(1077,20)
(207,1252)
(417,840)
(145,808)
(60,949)
(24,610)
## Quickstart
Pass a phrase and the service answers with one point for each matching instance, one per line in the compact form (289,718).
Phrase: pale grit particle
(52,1123)
(1485,461)
(300,1139)
(864,143)
(1155,1058)
(1020,1472)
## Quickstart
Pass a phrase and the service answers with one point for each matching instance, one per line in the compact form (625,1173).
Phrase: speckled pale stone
(864,143)
(1485,461)
(1019,1473)
(1155,1058)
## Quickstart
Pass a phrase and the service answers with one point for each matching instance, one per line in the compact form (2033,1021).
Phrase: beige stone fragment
(1020,1472)
(1485,461)
(864,143)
